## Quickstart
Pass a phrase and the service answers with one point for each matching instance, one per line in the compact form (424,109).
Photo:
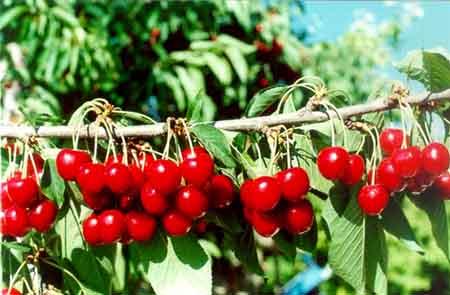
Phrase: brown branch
(243,124)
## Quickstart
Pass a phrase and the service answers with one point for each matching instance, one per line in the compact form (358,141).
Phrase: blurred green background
(159,57)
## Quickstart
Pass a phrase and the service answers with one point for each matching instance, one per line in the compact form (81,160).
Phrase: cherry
(188,154)
(200,226)
(332,162)
(442,184)
(176,224)
(42,216)
(137,177)
(126,202)
(91,230)
(197,169)
(112,225)
(112,160)
(23,192)
(391,139)
(407,161)
(191,202)
(423,179)
(248,214)
(265,193)
(39,163)
(69,161)
(145,160)
(354,170)
(91,177)
(140,226)
(294,183)
(16,221)
(13,291)
(265,224)
(220,191)
(164,175)
(435,158)
(3,229)
(372,199)
(153,201)
(413,187)
(4,196)
(387,175)
(298,218)
(246,192)
(97,201)
(117,178)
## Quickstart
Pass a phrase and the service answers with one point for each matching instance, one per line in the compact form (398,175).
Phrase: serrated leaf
(52,184)
(215,142)
(264,99)
(395,222)
(437,68)
(219,66)
(238,62)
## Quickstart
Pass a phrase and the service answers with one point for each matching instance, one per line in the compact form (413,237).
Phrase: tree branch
(243,124)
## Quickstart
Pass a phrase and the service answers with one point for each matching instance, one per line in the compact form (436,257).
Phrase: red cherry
(407,161)
(246,192)
(164,175)
(23,192)
(126,202)
(332,162)
(423,179)
(200,226)
(354,170)
(265,193)
(112,225)
(137,177)
(145,160)
(294,183)
(176,224)
(39,163)
(372,199)
(4,196)
(97,201)
(191,202)
(112,160)
(13,291)
(91,230)
(188,154)
(3,229)
(298,218)
(91,177)
(140,226)
(264,223)
(16,221)
(68,162)
(153,201)
(220,191)
(391,139)
(387,175)
(42,216)
(442,184)
(413,187)
(198,170)
(435,158)
(117,178)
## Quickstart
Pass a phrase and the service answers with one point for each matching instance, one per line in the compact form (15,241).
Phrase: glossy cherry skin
(391,139)
(194,153)
(372,199)
(117,178)
(265,193)
(38,162)
(176,224)
(442,185)
(152,200)
(407,161)
(435,158)
(137,177)
(16,221)
(42,216)
(3,229)
(23,191)
(354,170)
(165,176)
(246,192)
(294,183)
(4,196)
(197,170)
(13,291)
(140,226)
(387,175)
(191,202)
(91,230)
(332,162)
(68,162)
(91,177)
(126,202)
(220,191)
(264,223)
(201,226)
(112,225)
(298,218)
(97,201)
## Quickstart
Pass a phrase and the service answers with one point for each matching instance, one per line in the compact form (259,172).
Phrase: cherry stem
(33,163)
(327,111)
(14,278)
(377,138)
(65,271)
(136,159)
(178,153)
(76,135)
(96,140)
(344,128)
(361,145)
(373,159)
(425,139)
(167,146)
(25,161)
(27,285)
(402,116)
(273,152)
(110,138)
(188,136)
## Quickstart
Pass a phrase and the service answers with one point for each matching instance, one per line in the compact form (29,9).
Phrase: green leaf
(9,15)
(219,66)
(20,247)
(215,142)
(65,16)
(395,222)
(238,62)
(174,264)
(241,10)
(229,41)
(189,87)
(435,209)
(52,184)
(264,99)
(194,112)
(174,84)
(244,247)
(437,67)
(308,240)
(285,243)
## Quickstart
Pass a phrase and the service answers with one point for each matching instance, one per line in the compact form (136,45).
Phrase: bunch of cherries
(274,203)
(23,206)
(128,200)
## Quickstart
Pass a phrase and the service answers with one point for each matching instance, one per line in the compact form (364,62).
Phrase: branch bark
(243,124)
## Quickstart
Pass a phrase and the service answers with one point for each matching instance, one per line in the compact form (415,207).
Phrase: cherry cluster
(274,203)
(23,206)
(128,200)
